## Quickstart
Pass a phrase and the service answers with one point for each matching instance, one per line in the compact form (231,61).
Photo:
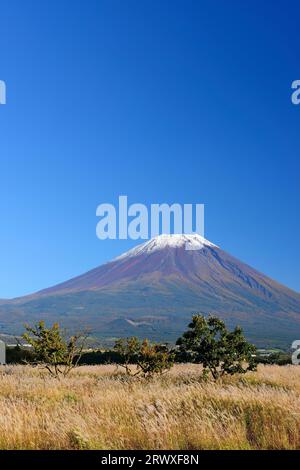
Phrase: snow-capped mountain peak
(191,242)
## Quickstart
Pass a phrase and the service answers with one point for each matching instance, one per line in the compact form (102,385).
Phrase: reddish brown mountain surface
(153,290)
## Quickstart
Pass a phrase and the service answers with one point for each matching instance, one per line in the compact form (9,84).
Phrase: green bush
(149,358)
(220,351)
(53,350)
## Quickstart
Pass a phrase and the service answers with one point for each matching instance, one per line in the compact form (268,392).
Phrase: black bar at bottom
(134,459)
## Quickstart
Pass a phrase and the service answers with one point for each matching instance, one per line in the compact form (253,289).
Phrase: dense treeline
(207,342)
(17,355)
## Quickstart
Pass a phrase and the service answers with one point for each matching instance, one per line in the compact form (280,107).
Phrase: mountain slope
(153,290)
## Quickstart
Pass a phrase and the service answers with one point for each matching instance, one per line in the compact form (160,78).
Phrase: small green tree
(220,351)
(128,350)
(148,358)
(53,350)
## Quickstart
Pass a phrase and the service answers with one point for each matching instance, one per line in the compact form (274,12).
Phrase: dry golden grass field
(97,407)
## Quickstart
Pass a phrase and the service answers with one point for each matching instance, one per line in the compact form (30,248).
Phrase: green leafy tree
(219,350)
(53,350)
(128,351)
(148,358)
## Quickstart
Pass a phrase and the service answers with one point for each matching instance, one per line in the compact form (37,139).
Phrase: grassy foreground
(96,407)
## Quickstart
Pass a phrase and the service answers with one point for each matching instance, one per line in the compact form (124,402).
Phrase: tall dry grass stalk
(97,407)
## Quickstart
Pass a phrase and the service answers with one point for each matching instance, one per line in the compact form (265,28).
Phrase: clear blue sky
(165,101)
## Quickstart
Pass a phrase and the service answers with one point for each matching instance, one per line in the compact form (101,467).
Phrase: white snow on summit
(192,241)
